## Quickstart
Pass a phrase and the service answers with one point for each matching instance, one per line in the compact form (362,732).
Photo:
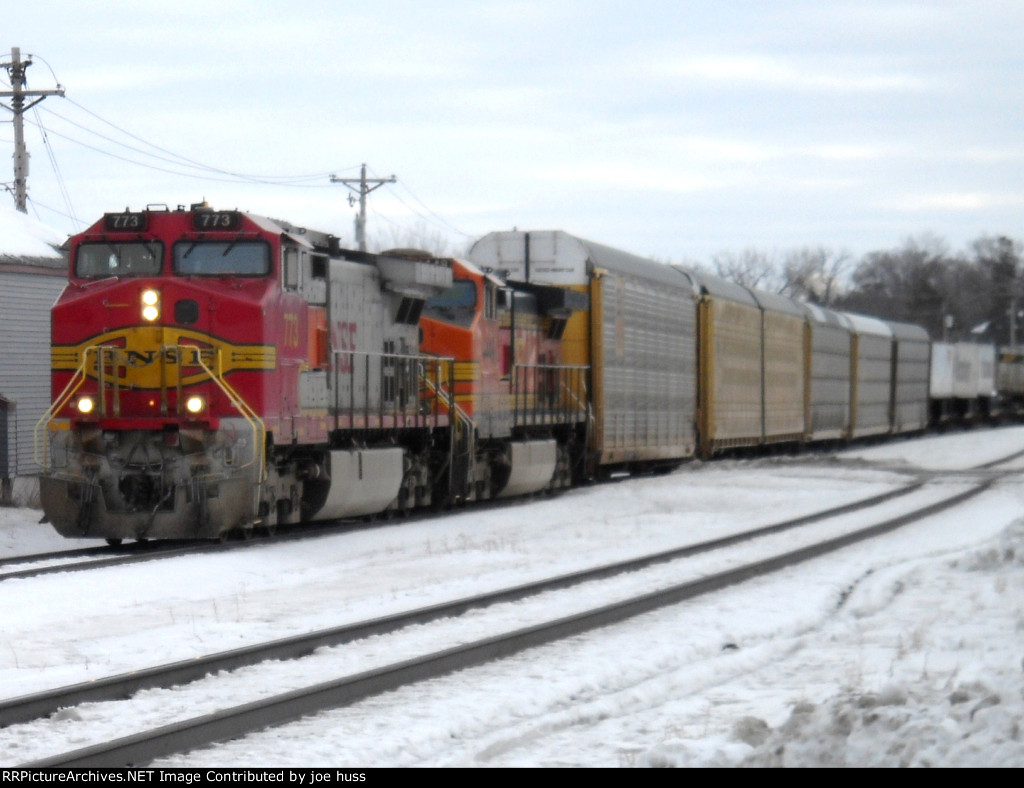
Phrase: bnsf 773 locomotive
(216,371)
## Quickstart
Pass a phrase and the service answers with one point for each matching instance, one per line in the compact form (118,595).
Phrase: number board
(216,220)
(124,221)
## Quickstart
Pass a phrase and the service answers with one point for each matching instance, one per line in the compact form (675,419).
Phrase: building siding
(26,296)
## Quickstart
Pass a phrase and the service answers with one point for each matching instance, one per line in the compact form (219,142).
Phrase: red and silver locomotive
(216,371)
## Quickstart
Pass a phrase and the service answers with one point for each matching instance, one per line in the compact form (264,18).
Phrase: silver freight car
(911,357)
(783,379)
(871,375)
(731,395)
(828,399)
(638,337)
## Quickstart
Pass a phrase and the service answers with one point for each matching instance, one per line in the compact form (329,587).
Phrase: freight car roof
(722,288)
(554,257)
(825,316)
(907,331)
(868,325)
(773,302)
(609,259)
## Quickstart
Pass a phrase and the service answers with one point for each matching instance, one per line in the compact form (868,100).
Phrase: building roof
(22,236)
(28,246)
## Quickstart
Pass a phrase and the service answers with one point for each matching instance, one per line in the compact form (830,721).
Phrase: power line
(183,166)
(36,205)
(56,169)
(295,180)
(181,161)
(178,172)
(270,179)
(439,218)
(35,57)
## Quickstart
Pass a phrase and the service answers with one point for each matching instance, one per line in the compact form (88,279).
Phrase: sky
(673,130)
(905,650)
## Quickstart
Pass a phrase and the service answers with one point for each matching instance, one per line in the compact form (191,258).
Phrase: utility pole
(364,189)
(1013,321)
(16,68)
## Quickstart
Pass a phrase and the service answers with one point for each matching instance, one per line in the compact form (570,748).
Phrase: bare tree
(814,274)
(906,284)
(999,261)
(750,268)
(419,236)
(967,301)
(978,294)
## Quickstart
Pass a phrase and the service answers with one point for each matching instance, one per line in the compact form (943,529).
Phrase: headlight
(150,305)
(195,405)
(86,405)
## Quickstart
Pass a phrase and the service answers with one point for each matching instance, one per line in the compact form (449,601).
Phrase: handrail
(427,370)
(41,445)
(419,360)
(40,448)
(446,396)
(462,436)
(570,391)
(543,394)
(259,427)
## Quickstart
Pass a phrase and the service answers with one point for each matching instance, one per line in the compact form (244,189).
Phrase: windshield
(462,294)
(103,259)
(222,258)
(456,305)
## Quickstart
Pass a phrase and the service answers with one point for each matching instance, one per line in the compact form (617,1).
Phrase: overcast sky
(671,129)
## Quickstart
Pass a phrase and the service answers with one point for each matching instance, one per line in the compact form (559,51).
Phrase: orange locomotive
(524,411)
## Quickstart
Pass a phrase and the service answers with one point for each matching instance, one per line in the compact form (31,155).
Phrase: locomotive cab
(150,434)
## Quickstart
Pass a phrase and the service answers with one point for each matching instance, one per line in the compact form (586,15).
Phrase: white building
(33,271)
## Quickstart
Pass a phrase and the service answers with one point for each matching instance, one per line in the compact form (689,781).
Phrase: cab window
(221,258)
(102,259)
(456,305)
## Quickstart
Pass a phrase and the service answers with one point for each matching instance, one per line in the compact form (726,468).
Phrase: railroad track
(276,710)
(102,556)
(39,564)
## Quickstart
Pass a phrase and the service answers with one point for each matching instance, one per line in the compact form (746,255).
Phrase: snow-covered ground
(908,650)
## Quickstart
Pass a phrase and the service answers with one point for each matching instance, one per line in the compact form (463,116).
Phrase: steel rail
(148,551)
(231,723)
(140,552)
(29,707)
(35,558)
